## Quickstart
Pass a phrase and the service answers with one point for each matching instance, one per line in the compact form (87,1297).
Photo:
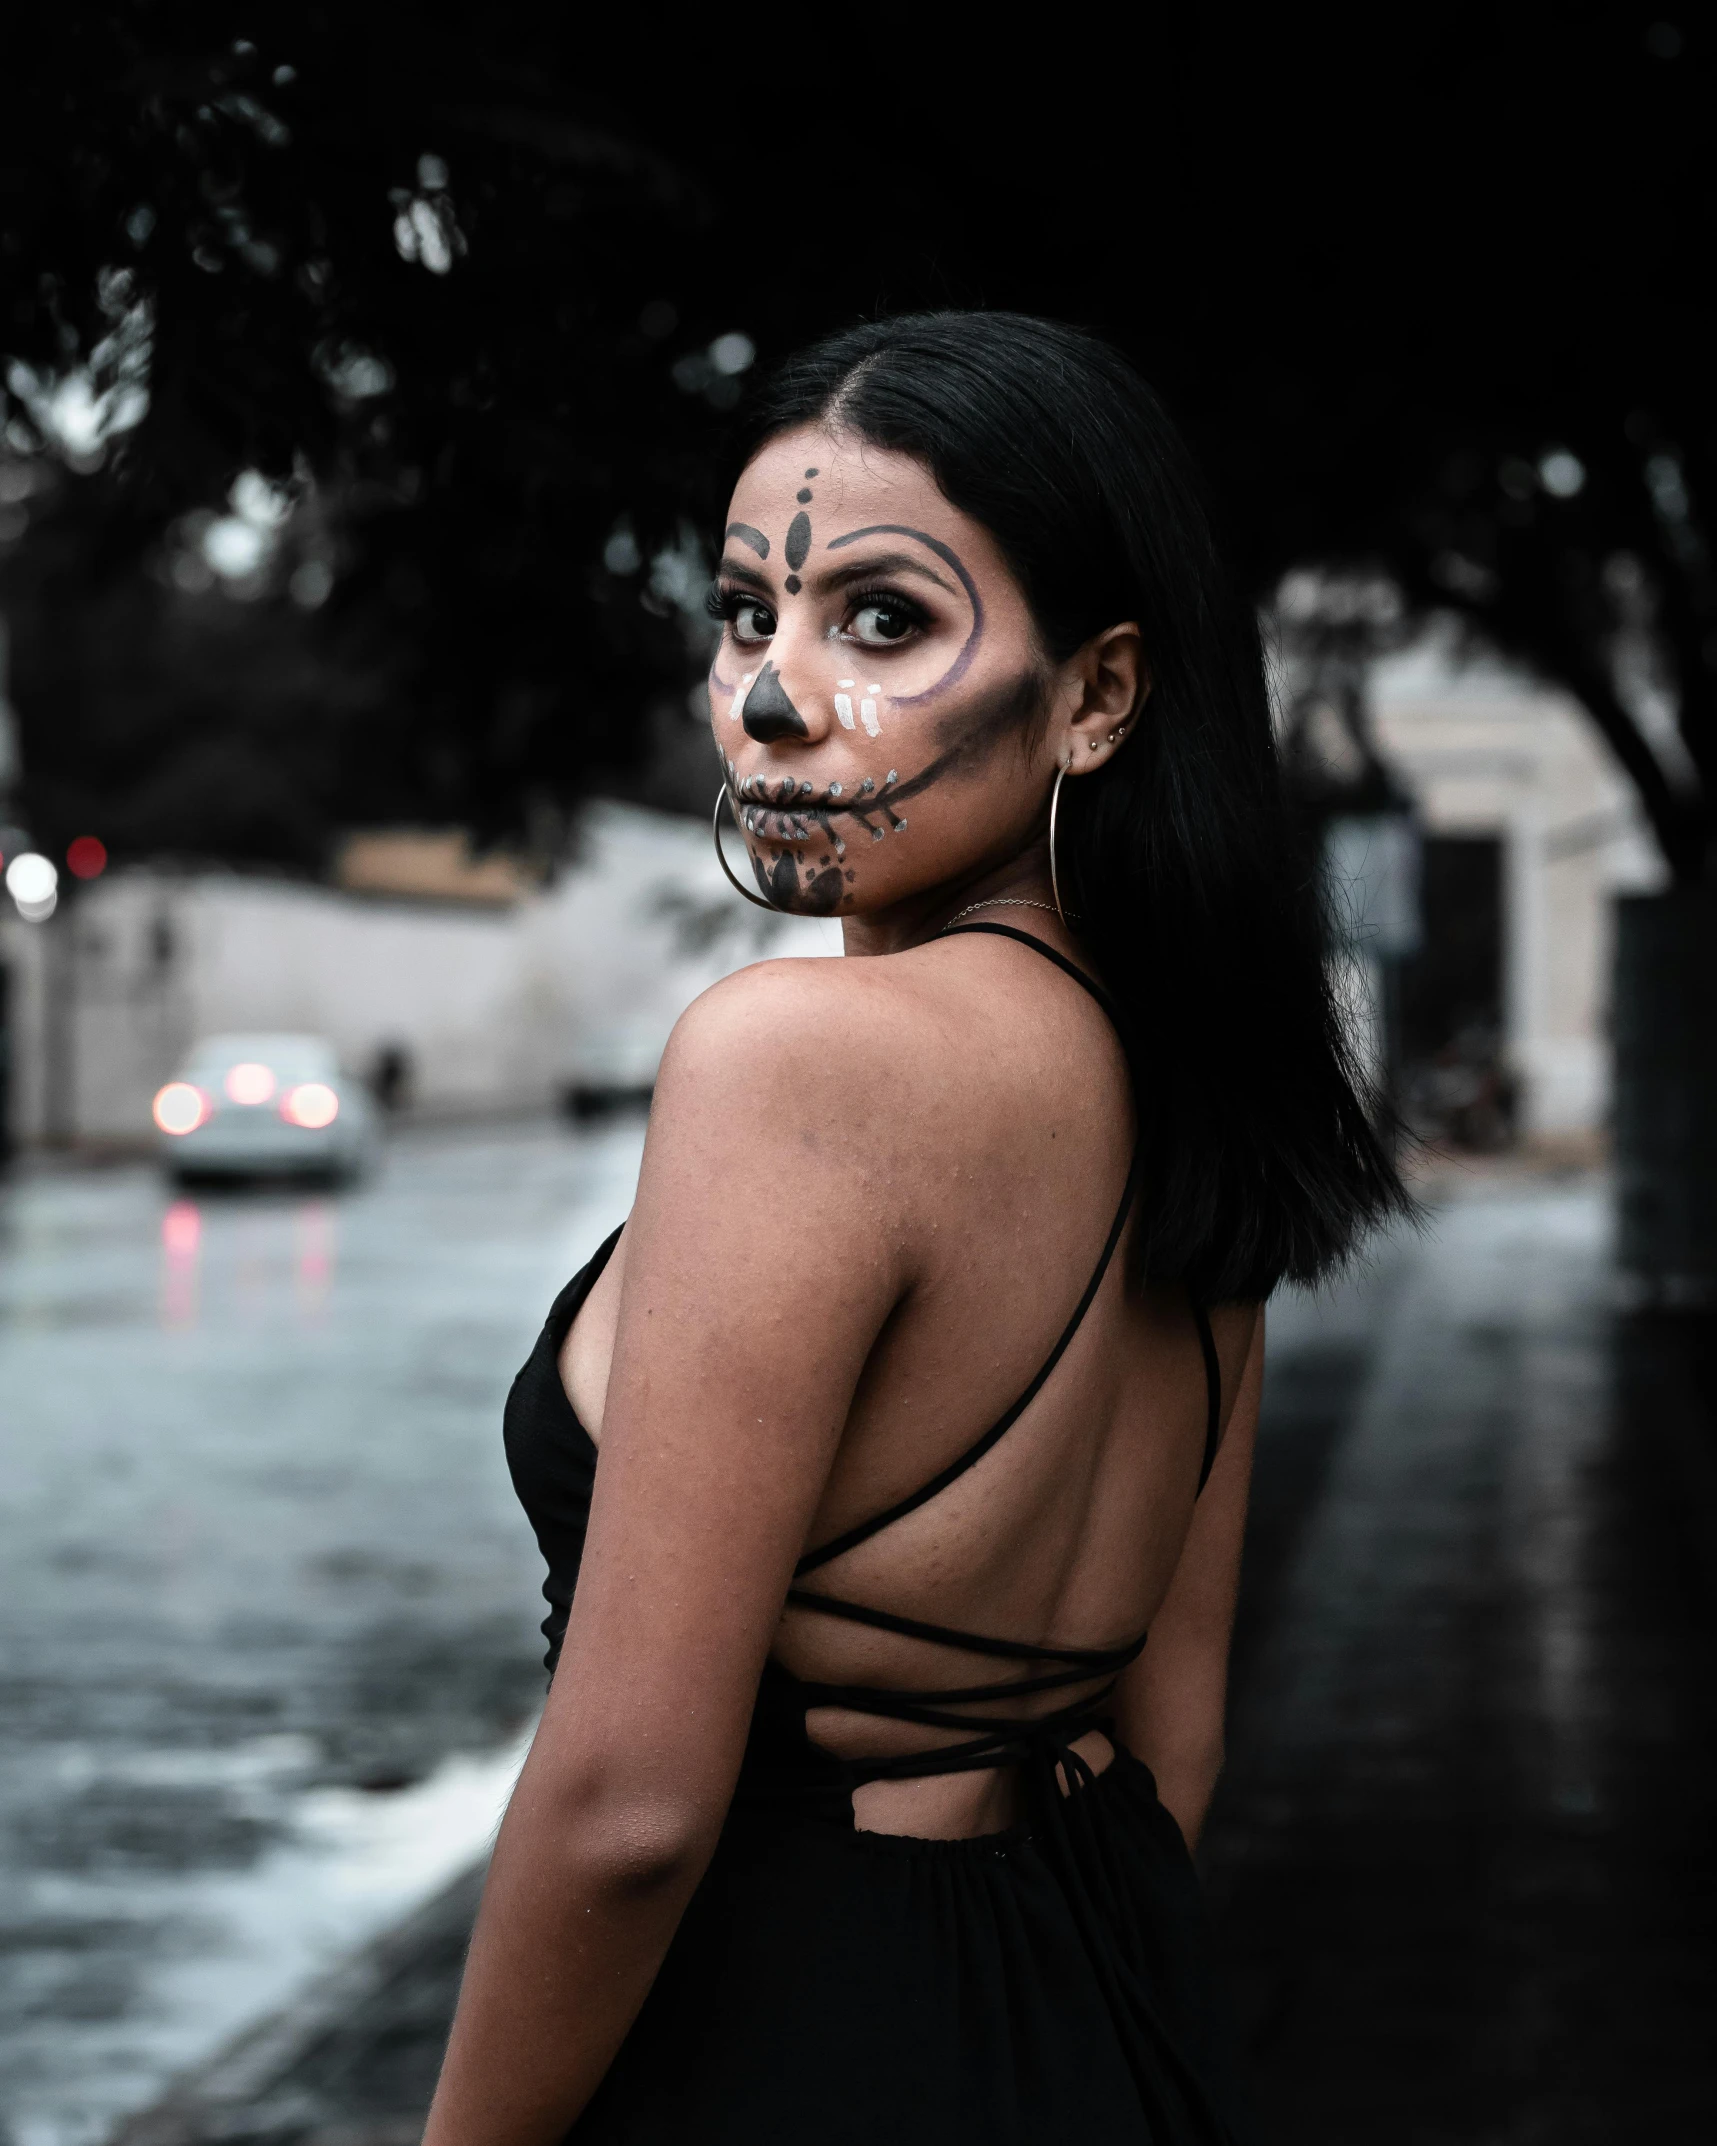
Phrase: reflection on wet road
(269,1615)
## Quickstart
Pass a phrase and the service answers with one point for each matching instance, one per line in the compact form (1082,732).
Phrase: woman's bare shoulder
(874,1070)
(783,1178)
(796,1032)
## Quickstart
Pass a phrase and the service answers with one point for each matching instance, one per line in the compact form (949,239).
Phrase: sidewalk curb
(350,2062)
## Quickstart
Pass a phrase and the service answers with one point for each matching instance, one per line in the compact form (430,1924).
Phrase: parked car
(265,1105)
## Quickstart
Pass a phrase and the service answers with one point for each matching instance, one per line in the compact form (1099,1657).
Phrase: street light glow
(34,886)
(31,878)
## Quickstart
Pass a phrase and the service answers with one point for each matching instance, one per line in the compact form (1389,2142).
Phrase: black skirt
(830,1986)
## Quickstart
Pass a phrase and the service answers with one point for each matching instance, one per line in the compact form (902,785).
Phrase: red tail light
(180,1107)
(312,1104)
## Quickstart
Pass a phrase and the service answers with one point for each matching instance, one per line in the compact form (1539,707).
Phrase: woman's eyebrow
(885,562)
(732,570)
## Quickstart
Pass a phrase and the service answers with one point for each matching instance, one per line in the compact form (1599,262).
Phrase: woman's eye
(752,622)
(878,624)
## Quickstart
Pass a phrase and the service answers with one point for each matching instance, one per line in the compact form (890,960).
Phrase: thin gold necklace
(1001,901)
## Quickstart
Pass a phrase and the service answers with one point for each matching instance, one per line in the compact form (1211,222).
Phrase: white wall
(499,1008)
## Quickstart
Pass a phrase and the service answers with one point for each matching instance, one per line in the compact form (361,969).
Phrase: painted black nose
(769,714)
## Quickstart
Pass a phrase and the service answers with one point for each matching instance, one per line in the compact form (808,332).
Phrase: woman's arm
(1172,1701)
(765,1251)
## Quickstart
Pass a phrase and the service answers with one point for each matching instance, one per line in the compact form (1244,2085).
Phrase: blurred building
(1527,833)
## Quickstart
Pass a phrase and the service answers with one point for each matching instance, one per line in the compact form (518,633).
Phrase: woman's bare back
(1007,1169)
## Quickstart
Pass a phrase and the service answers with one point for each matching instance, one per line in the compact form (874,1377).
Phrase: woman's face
(875,692)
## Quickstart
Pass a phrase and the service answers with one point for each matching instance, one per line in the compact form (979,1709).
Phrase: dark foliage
(1427,293)
(403,269)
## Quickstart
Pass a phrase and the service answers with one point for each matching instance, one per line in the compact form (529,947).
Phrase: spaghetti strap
(851,1537)
(1025,938)
(1003,1423)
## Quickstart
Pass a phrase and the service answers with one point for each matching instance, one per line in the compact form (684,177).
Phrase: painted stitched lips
(789,811)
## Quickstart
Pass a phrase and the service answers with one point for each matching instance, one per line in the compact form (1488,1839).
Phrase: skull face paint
(768,713)
(891,659)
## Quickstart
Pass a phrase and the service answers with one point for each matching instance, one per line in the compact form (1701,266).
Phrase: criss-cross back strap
(1087,1660)
(975,1452)
(991,1738)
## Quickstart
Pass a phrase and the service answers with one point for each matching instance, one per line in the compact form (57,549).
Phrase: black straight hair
(1260,1147)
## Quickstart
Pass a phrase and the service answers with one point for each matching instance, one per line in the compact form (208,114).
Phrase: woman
(924,1374)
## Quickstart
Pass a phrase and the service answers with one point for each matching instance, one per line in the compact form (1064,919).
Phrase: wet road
(1463,1860)
(1461,1863)
(267,1622)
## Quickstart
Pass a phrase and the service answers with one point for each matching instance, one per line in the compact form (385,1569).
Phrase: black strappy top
(553,1462)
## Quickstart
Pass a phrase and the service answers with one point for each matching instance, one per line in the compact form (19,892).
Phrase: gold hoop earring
(721,798)
(1054,876)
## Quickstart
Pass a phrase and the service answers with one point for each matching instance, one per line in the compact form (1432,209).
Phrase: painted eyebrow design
(758,542)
